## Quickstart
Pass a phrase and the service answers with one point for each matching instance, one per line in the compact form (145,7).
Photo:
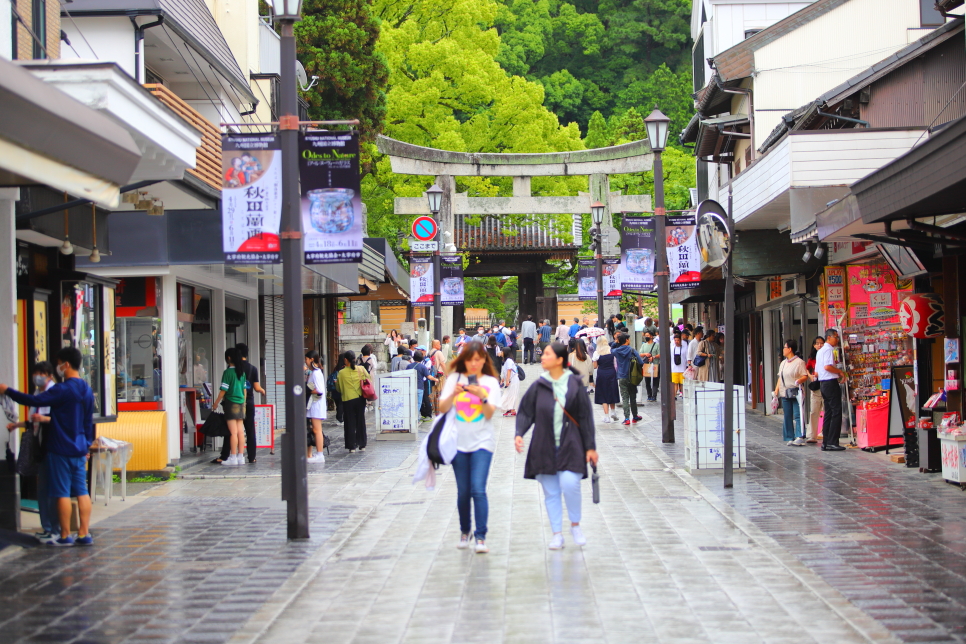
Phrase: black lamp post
(435,197)
(657,131)
(597,214)
(294,475)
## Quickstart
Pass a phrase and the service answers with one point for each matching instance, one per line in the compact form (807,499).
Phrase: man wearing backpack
(402,360)
(628,378)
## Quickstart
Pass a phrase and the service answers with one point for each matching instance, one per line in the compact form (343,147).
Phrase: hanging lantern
(923,315)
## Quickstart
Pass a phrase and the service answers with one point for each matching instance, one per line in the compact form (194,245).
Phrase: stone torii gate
(598,164)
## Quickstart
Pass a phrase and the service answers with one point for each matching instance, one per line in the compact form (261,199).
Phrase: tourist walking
(315,409)
(580,361)
(331,386)
(392,343)
(651,353)
(625,354)
(367,359)
(252,386)
(606,391)
(511,382)
(694,343)
(349,384)
(545,334)
(447,349)
(496,353)
(559,411)
(422,377)
(437,369)
(562,334)
(815,405)
(528,330)
(791,376)
(708,349)
(233,389)
(679,362)
(473,389)
(830,378)
(71,404)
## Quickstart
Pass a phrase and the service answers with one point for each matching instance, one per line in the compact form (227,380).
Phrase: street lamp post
(657,131)
(434,195)
(597,213)
(294,474)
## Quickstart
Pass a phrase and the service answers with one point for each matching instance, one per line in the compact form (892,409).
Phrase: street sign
(424,246)
(424,228)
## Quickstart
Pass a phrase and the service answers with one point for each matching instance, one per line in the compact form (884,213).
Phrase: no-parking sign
(425,228)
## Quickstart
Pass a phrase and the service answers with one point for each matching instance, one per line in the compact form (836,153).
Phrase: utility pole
(729,357)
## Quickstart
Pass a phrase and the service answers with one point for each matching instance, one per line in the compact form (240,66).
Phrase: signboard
(451,280)
(424,246)
(251,198)
(396,410)
(421,278)
(587,279)
(265,426)
(425,228)
(637,253)
(874,293)
(835,296)
(683,258)
(331,204)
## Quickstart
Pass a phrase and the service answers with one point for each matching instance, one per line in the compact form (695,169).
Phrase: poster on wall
(421,278)
(683,259)
(874,294)
(331,200)
(451,280)
(265,426)
(835,300)
(586,279)
(251,198)
(637,253)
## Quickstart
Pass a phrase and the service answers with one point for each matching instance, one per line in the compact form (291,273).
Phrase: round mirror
(714,242)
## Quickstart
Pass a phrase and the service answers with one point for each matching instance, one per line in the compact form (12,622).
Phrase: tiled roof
(492,234)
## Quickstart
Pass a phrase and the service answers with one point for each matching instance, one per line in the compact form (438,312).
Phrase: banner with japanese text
(451,280)
(421,278)
(586,279)
(251,198)
(835,300)
(683,258)
(637,253)
(612,278)
(331,201)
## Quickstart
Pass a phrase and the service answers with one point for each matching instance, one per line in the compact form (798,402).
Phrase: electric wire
(955,94)
(63,6)
(202,85)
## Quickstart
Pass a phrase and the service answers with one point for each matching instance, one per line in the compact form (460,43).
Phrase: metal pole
(294,475)
(600,276)
(729,358)
(663,297)
(437,298)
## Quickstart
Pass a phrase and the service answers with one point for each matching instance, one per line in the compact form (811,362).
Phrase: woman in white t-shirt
(316,408)
(473,389)
(511,382)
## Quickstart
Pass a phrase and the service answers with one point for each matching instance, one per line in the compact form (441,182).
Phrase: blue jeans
(471,469)
(567,483)
(793,414)
(46,506)
(419,400)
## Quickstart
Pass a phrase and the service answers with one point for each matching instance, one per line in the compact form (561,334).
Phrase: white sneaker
(239,459)
(464,542)
(606,419)
(578,535)
(481,548)
(318,458)
(798,442)
(615,418)
(557,543)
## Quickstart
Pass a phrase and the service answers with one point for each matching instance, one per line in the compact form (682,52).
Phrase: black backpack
(521,374)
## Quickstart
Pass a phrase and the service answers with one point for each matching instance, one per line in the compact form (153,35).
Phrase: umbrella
(590,332)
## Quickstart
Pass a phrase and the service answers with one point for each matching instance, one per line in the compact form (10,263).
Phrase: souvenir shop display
(870,354)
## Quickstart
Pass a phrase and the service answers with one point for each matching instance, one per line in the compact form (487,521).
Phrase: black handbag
(815,385)
(215,425)
(595,483)
(28,461)
(699,361)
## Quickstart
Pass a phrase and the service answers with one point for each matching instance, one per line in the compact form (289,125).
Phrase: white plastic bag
(774,403)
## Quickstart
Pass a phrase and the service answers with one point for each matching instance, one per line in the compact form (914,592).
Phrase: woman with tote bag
(791,375)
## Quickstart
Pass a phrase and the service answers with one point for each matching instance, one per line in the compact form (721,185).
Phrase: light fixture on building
(288,9)
(819,251)
(144,202)
(597,213)
(156,209)
(435,198)
(657,129)
(130,197)
(66,248)
(808,254)
(95,254)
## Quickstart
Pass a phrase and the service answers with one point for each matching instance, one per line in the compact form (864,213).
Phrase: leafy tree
(336,41)
(670,91)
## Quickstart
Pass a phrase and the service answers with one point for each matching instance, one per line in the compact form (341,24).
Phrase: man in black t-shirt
(252,385)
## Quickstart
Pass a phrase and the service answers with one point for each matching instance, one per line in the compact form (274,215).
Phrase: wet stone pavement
(804,549)
(890,539)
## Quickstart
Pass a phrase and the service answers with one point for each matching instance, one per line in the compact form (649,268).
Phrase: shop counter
(147,431)
(872,427)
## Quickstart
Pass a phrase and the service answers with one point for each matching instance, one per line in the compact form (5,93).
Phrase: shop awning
(47,137)
(718,136)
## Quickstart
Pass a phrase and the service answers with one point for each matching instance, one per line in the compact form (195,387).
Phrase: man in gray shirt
(693,344)
(528,330)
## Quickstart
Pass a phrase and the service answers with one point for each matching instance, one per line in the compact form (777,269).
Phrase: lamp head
(819,252)
(808,254)
(66,248)
(597,212)
(434,195)
(287,9)
(657,129)
(95,255)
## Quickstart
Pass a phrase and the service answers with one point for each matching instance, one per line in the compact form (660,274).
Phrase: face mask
(39,381)
(62,370)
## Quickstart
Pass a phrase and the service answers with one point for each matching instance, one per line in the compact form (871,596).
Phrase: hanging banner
(421,278)
(835,301)
(637,253)
(251,198)
(331,203)
(450,280)
(683,258)
(587,279)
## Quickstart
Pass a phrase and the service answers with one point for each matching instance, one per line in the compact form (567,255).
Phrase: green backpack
(636,375)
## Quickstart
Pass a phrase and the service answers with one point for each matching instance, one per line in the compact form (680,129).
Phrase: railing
(208,155)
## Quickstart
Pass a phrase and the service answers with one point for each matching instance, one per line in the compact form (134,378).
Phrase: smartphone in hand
(473,380)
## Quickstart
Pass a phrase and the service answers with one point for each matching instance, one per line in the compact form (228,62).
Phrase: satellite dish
(303,77)
(714,242)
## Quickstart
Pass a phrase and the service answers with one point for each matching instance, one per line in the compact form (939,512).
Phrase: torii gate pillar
(445,223)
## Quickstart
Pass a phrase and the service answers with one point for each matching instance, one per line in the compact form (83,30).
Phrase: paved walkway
(671,557)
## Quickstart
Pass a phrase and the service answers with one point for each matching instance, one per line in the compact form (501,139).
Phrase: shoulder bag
(790,392)
(368,389)
(28,461)
(595,477)
(700,360)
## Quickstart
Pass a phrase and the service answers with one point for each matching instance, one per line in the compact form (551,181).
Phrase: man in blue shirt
(545,333)
(422,375)
(623,354)
(69,440)
(574,328)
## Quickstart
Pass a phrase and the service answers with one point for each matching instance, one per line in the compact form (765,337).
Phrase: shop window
(139,362)
(80,326)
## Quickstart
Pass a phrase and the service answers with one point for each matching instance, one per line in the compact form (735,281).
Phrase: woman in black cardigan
(559,410)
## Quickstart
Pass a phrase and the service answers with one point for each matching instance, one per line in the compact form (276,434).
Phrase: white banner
(421,279)
(251,198)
